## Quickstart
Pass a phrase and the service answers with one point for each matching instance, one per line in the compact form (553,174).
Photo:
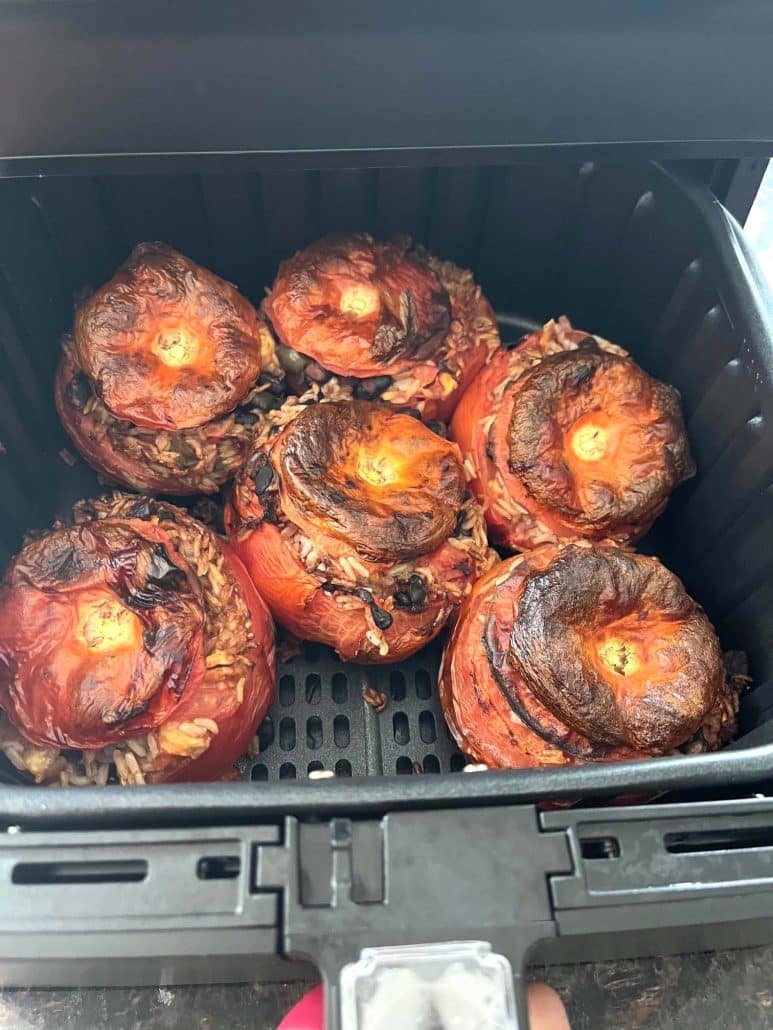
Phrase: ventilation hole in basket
(314,733)
(400,728)
(287,771)
(311,651)
(287,734)
(313,689)
(427,730)
(404,766)
(314,767)
(423,684)
(341,731)
(343,767)
(266,733)
(259,772)
(458,762)
(397,685)
(340,688)
(431,764)
(286,691)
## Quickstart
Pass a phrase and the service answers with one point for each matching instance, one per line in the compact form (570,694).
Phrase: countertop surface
(720,991)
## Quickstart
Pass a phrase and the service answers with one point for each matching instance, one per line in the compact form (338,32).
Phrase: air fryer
(399,846)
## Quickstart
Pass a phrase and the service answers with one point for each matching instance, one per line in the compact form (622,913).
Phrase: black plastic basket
(168,884)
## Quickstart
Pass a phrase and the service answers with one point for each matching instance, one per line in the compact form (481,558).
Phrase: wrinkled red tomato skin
(480,718)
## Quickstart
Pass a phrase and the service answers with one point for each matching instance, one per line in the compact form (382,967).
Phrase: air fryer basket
(626,251)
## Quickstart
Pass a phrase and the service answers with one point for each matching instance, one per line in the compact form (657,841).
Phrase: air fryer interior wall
(625,251)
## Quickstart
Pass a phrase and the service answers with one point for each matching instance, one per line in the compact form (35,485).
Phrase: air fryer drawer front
(170,906)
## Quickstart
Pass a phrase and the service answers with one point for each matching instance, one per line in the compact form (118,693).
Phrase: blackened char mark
(163,578)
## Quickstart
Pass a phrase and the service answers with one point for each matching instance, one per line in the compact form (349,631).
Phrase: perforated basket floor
(320,720)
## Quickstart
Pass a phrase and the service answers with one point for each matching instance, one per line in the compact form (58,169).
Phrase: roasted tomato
(167,373)
(135,636)
(580,652)
(387,320)
(565,437)
(354,525)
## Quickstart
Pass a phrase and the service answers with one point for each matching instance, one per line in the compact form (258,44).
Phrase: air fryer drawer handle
(506,878)
(370,897)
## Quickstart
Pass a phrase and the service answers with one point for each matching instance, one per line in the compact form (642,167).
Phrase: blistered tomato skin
(158,382)
(353,523)
(565,437)
(578,653)
(385,318)
(170,345)
(101,632)
(135,630)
